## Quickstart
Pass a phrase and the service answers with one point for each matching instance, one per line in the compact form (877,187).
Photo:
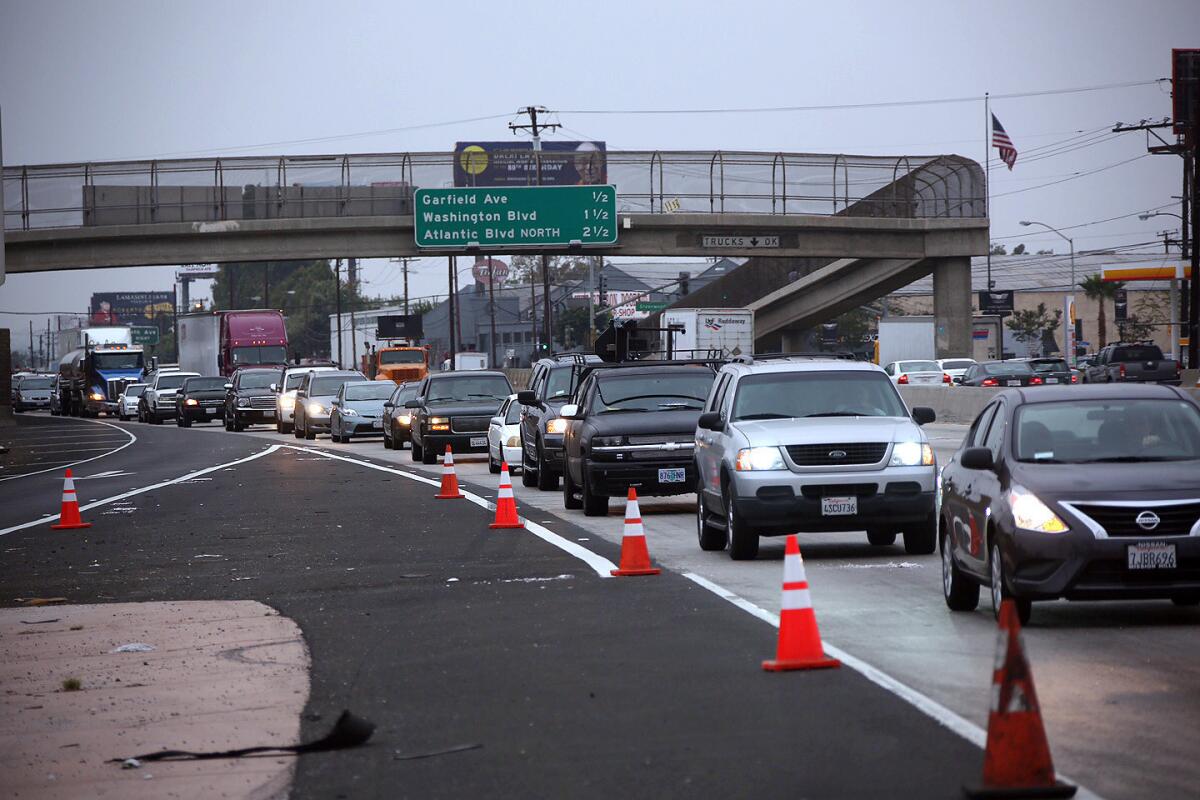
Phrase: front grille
(819,455)
(678,438)
(1174,520)
(469,424)
(116,386)
(267,401)
(212,402)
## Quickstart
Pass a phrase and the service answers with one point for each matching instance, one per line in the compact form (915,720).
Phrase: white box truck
(905,339)
(199,343)
(727,331)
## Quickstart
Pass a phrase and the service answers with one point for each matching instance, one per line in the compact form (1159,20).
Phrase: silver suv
(808,444)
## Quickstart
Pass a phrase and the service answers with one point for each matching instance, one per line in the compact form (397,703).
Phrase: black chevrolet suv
(454,408)
(632,425)
(249,398)
(199,399)
(551,385)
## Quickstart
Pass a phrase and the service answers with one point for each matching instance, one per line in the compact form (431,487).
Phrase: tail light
(1178,370)
(902,379)
(1035,381)
(946,377)
(1122,370)
(988,382)
(1074,378)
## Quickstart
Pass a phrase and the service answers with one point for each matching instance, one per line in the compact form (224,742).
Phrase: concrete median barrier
(962,404)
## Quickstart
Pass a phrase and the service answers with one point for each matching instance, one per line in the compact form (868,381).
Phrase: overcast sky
(93,81)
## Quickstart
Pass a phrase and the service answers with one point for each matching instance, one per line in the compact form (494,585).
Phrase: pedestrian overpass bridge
(927,213)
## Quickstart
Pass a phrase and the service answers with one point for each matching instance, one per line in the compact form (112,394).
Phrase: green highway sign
(516,216)
(651,305)
(144,334)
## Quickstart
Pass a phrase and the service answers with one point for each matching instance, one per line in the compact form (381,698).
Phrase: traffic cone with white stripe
(799,640)
(635,558)
(506,504)
(1017,760)
(68,518)
(449,489)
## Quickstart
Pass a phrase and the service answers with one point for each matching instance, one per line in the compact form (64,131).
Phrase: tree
(999,250)
(562,269)
(1019,250)
(1031,324)
(1095,288)
(1141,325)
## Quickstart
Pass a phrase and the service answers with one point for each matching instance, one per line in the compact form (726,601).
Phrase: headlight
(912,454)
(438,420)
(608,441)
(513,441)
(95,396)
(404,419)
(556,425)
(287,401)
(316,408)
(1032,514)
(759,458)
(349,412)
(191,401)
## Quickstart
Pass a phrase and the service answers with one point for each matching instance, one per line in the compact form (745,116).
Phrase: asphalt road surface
(574,685)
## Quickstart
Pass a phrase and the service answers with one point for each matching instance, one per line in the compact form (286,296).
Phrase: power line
(1093,222)
(1073,177)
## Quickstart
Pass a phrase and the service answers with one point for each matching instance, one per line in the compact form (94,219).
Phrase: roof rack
(751,359)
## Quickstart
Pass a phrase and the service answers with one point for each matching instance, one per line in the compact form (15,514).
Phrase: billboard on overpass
(132,308)
(512,164)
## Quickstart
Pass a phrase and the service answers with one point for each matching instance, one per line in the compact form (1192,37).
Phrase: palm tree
(1096,288)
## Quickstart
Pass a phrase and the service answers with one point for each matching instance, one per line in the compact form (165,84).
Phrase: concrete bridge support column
(952,307)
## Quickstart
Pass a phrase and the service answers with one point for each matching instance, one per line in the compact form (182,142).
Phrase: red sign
(489,269)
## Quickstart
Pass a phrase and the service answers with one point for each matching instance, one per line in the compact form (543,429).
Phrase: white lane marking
(132,439)
(600,564)
(143,490)
(112,473)
(926,705)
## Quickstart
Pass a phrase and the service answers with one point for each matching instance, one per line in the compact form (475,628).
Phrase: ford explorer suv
(454,408)
(157,402)
(803,445)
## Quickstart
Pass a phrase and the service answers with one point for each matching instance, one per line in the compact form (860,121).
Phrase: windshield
(514,413)
(273,354)
(1013,368)
(668,392)
(258,379)
(1082,431)
(1049,365)
(204,384)
(135,389)
(475,387)
(816,394)
(327,386)
(957,363)
(405,393)
(1142,353)
(35,383)
(293,381)
(130,359)
(918,366)
(560,383)
(172,381)
(402,357)
(370,390)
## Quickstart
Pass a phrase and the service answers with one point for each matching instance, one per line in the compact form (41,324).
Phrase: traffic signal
(683,282)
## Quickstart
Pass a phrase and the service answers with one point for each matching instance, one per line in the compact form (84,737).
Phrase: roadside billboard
(132,308)
(512,163)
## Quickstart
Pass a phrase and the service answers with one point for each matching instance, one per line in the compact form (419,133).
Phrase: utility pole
(229,275)
(492,311)
(266,284)
(592,303)
(337,283)
(32,357)
(452,309)
(536,128)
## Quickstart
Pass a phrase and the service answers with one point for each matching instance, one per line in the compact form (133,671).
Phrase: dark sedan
(1001,374)
(454,408)
(199,400)
(1053,371)
(1078,492)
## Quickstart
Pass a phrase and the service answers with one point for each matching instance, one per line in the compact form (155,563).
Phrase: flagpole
(987,181)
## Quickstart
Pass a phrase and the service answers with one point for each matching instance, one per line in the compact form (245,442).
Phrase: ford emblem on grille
(1147,520)
(837,453)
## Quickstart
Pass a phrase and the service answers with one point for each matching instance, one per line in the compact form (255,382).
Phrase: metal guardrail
(256,187)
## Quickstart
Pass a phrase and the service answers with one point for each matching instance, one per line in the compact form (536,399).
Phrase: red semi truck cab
(219,342)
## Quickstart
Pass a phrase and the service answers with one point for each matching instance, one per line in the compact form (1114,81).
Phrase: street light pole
(1068,299)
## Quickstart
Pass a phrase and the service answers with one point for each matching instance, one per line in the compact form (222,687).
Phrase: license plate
(1051,380)
(1012,383)
(1151,555)
(478,441)
(212,412)
(838,506)
(672,475)
(377,424)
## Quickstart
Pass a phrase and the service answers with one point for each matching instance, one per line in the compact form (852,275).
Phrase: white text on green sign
(516,216)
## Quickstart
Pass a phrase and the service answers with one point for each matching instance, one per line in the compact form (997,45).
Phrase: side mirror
(412,403)
(711,421)
(274,387)
(569,411)
(976,458)
(923,415)
(389,404)
(334,403)
(228,386)
(527,397)
(958,379)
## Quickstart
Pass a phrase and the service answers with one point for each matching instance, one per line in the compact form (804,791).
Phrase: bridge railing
(279,187)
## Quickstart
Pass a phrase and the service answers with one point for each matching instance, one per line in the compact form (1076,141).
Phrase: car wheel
(493,465)
(711,538)
(594,504)
(881,537)
(961,593)
(279,427)
(568,487)
(155,419)
(528,472)
(743,542)
(184,422)
(387,440)
(428,455)
(417,451)
(1000,591)
(547,479)
(920,539)
(238,425)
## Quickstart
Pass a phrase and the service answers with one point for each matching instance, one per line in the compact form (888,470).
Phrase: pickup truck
(1133,363)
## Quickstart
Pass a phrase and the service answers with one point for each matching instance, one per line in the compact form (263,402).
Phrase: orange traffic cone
(1017,760)
(68,518)
(635,558)
(799,644)
(506,505)
(449,489)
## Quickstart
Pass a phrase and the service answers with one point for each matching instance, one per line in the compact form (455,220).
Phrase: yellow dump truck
(399,364)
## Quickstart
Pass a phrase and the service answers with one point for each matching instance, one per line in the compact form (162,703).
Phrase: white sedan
(504,436)
(956,367)
(917,373)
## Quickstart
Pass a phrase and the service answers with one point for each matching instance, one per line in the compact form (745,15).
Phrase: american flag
(1000,140)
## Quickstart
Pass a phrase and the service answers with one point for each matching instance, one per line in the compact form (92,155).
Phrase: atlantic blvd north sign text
(524,216)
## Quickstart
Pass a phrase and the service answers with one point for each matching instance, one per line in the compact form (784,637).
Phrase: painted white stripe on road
(926,705)
(602,566)
(132,439)
(144,489)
